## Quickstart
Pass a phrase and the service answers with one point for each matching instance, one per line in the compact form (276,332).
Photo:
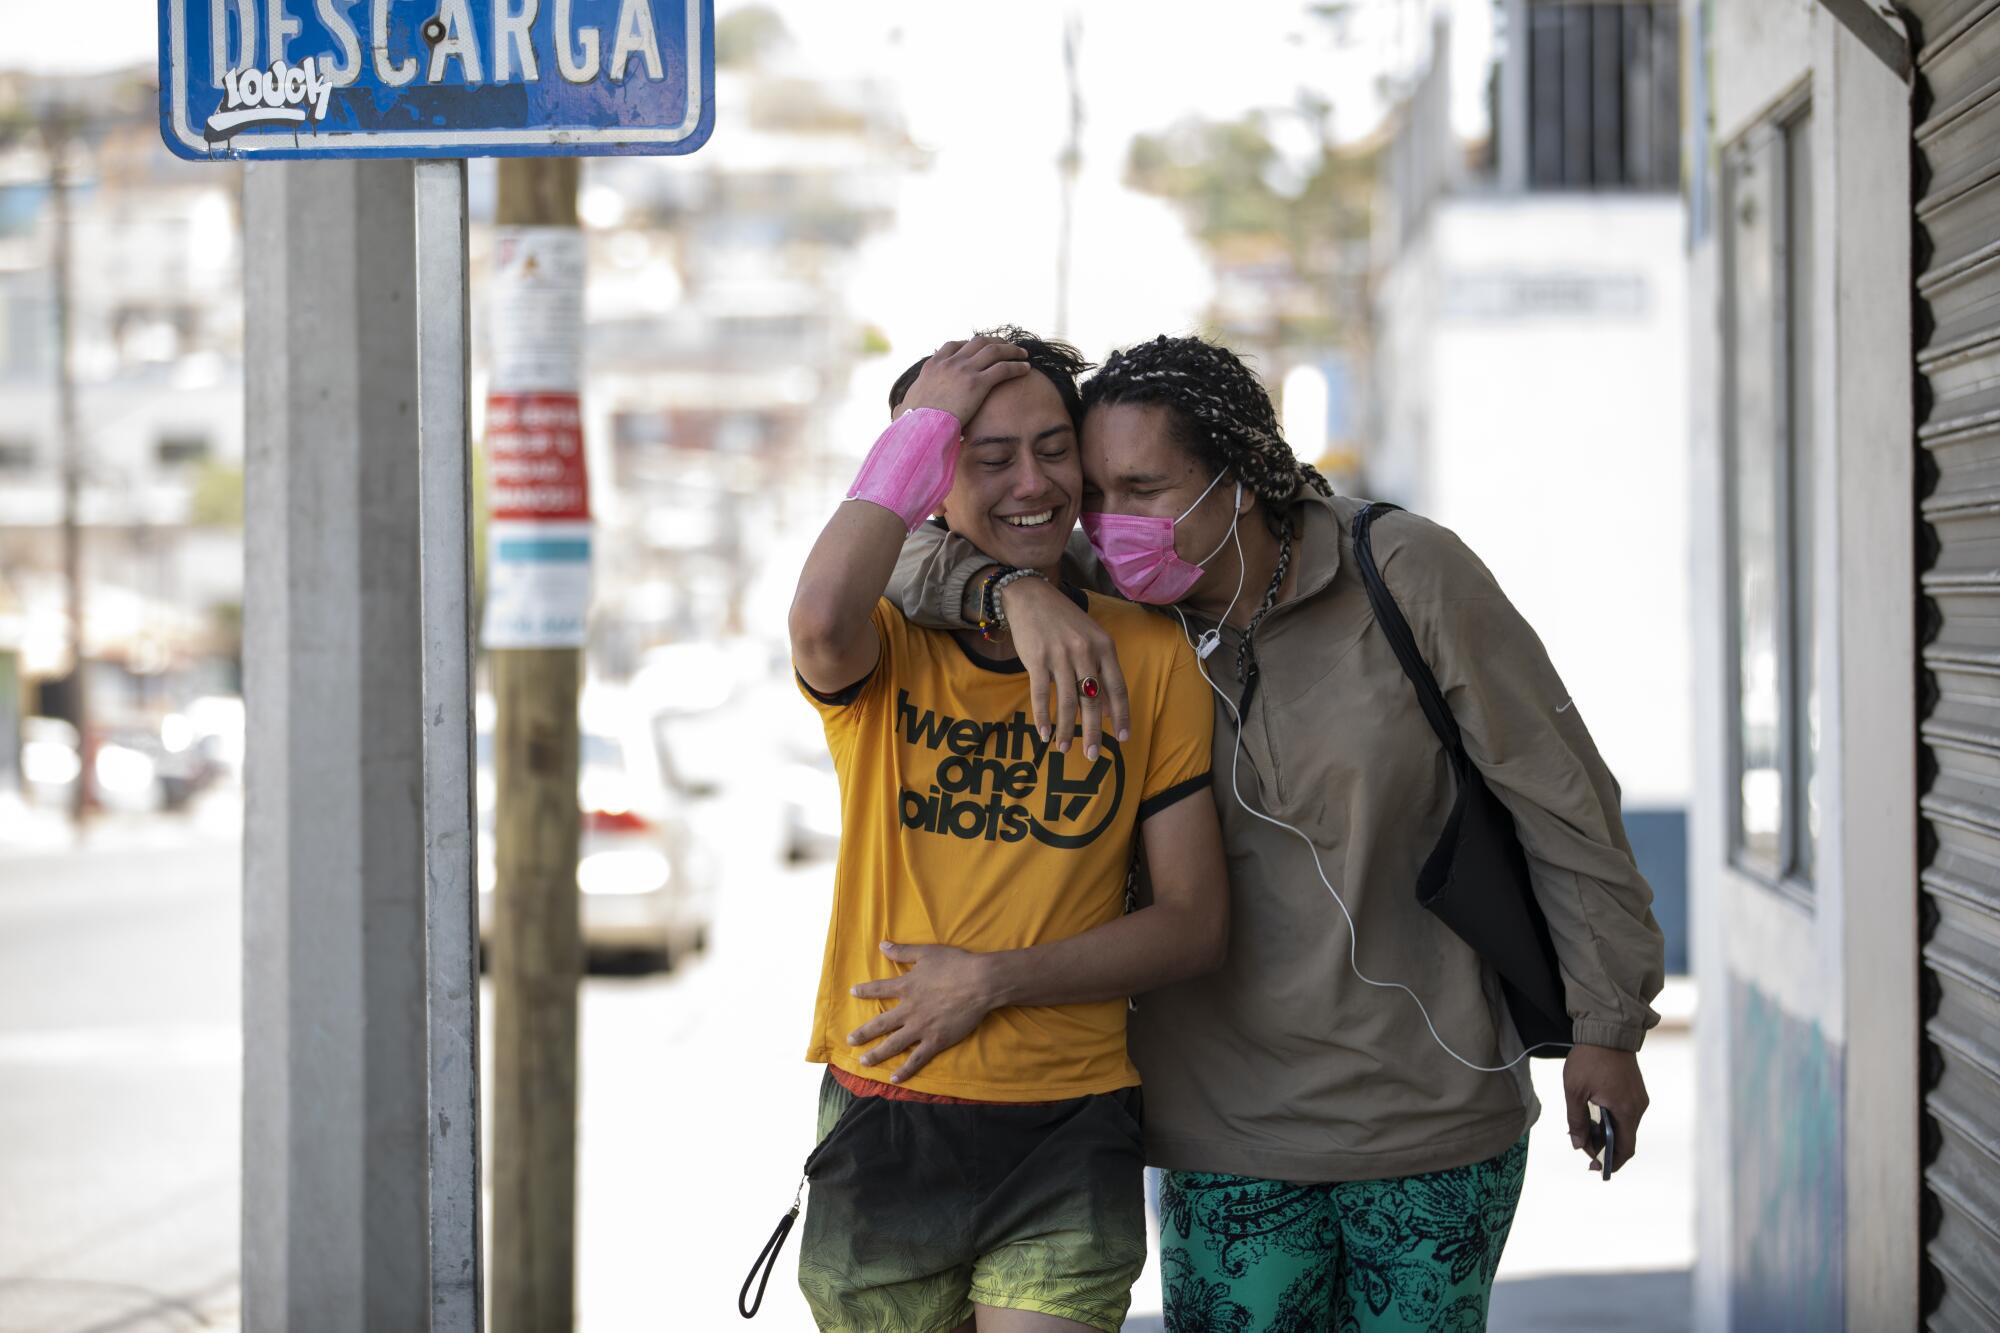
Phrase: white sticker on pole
(538,494)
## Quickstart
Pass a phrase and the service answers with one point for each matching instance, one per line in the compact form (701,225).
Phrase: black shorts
(919,1211)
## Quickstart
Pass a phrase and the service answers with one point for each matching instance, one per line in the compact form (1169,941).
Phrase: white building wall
(1806,1153)
(1556,407)
(1533,381)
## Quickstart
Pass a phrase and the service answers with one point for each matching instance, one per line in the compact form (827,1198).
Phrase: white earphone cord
(1209,639)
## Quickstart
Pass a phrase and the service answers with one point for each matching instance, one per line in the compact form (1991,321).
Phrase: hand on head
(959,375)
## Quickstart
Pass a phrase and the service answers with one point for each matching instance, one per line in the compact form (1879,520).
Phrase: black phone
(1608,1131)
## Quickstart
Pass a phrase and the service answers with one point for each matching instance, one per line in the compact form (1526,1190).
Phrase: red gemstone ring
(1089,687)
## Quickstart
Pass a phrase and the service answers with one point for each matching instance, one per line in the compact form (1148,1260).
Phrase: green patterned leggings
(1409,1255)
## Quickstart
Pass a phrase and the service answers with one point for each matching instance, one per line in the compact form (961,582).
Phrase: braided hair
(1218,411)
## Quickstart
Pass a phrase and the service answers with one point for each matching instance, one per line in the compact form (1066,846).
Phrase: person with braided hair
(1341,1110)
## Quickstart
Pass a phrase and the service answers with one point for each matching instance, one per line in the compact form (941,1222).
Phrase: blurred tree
(874,342)
(217,501)
(1255,207)
(225,639)
(744,38)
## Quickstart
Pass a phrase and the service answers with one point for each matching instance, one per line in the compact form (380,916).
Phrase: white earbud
(1207,644)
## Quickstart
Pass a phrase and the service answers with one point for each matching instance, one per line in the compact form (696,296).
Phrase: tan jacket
(1284,1064)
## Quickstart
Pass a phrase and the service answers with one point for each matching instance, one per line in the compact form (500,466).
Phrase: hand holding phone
(1607,1139)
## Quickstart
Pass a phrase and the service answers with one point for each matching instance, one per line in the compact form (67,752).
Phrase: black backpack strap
(1397,630)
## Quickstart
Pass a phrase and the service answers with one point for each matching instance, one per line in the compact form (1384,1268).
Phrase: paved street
(119,1087)
(119,1083)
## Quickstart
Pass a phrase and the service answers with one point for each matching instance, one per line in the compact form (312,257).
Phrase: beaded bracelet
(987,622)
(996,585)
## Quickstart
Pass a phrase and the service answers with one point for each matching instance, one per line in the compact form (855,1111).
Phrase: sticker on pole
(436,78)
(537,487)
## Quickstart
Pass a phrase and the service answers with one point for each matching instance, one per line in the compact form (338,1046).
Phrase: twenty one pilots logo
(991,772)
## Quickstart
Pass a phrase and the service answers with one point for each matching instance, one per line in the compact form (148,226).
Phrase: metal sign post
(451,930)
(250,80)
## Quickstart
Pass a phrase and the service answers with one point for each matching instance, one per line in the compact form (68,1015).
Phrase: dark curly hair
(1218,411)
(1059,361)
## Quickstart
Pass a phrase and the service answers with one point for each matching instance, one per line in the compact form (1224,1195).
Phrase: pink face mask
(1138,552)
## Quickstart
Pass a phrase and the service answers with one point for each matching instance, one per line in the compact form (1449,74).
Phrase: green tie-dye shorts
(919,1211)
(1414,1254)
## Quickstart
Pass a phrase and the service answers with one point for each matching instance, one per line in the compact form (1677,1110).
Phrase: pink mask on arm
(1138,551)
(909,471)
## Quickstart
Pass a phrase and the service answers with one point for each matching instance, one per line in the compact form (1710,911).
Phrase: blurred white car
(810,805)
(646,880)
(133,772)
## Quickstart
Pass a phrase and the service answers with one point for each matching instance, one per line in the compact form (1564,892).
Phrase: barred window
(1603,95)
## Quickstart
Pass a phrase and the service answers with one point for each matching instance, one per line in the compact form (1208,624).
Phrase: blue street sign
(435,78)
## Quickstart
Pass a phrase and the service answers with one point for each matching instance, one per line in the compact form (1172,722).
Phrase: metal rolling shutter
(1956,258)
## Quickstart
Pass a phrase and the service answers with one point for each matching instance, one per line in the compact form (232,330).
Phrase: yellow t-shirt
(960,827)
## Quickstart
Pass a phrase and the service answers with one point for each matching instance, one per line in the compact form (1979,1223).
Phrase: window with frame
(1767,201)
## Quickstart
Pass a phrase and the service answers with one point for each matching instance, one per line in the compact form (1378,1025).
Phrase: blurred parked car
(645,877)
(809,800)
(135,771)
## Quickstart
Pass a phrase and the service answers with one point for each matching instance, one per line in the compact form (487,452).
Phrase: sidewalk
(1577,1303)
(1655,1302)
(38,831)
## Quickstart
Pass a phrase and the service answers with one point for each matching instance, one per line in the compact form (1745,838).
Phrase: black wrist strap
(767,1260)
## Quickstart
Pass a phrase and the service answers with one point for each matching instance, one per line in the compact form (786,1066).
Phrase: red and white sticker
(537,485)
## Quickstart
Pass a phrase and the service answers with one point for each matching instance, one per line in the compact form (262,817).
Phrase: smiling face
(1019,481)
(1133,464)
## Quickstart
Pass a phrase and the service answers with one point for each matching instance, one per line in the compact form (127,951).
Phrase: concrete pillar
(334,1133)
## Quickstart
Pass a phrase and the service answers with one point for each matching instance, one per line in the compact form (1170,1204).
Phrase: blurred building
(1531,371)
(1845,232)
(156,316)
(721,331)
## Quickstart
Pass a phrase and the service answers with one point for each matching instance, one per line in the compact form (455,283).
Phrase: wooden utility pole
(58,134)
(1068,165)
(536,946)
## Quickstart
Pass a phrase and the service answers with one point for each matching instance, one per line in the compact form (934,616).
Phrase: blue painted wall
(1660,846)
(1787,1183)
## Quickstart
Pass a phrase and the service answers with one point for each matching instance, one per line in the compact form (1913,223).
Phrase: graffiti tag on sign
(281,95)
